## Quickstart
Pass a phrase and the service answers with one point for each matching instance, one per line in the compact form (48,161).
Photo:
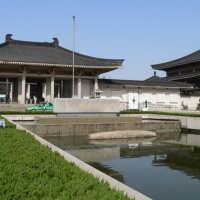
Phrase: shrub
(29,170)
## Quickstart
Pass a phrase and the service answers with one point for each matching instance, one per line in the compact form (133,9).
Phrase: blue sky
(143,32)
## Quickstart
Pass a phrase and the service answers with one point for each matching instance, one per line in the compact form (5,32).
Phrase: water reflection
(185,160)
(161,169)
(69,142)
(123,142)
(188,139)
(96,154)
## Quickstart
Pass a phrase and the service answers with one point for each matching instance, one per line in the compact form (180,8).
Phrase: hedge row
(26,112)
(160,113)
(121,112)
(29,170)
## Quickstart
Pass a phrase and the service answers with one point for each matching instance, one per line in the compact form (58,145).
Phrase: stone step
(13,107)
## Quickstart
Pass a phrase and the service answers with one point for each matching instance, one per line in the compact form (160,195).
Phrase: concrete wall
(27,117)
(51,130)
(69,105)
(86,120)
(186,122)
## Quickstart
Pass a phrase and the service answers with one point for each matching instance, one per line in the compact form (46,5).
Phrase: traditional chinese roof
(49,54)
(191,58)
(153,81)
(193,76)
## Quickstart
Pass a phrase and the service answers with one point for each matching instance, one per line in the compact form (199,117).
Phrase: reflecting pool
(163,169)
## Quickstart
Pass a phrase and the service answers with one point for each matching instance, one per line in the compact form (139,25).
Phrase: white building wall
(124,95)
(85,89)
(190,101)
(160,97)
(116,94)
(174,99)
(157,98)
(146,96)
(105,93)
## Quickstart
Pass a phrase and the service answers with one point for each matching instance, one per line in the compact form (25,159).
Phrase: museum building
(45,70)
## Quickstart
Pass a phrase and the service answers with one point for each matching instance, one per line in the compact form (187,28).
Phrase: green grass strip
(187,114)
(29,170)
(161,113)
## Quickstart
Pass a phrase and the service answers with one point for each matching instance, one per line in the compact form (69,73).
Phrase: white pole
(73,55)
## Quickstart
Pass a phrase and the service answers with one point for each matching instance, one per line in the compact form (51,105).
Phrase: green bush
(161,113)
(26,112)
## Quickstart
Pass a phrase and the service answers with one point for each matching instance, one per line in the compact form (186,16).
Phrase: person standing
(43,100)
(34,99)
(7,98)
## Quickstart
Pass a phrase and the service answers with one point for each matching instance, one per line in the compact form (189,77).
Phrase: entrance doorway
(57,90)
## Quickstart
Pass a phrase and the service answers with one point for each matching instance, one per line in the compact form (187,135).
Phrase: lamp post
(73,41)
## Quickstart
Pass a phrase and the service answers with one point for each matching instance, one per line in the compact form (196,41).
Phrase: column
(11,92)
(7,86)
(61,87)
(27,92)
(44,91)
(52,86)
(48,89)
(79,83)
(19,89)
(22,85)
(96,87)
(52,71)
(79,87)
(23,88)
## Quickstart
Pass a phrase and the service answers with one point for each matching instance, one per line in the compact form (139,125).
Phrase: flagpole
(73,41)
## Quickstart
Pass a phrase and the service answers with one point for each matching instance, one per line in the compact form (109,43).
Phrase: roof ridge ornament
(80,72)
(24,69)
(52,71)
(9,37)
(56,41)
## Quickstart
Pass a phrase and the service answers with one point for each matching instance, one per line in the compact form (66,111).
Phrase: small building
(152,93)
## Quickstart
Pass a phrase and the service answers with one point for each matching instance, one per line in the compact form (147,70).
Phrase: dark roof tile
(151,82)
(183,77)
(49,53)
(193,57)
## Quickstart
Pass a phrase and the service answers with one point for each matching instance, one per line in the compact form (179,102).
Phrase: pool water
(161,170)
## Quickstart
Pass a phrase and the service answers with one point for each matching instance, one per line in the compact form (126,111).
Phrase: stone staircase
(13,107)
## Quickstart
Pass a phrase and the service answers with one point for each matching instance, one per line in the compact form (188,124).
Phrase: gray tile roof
(184,77)
(153,81)
(43,53)
(191,58)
